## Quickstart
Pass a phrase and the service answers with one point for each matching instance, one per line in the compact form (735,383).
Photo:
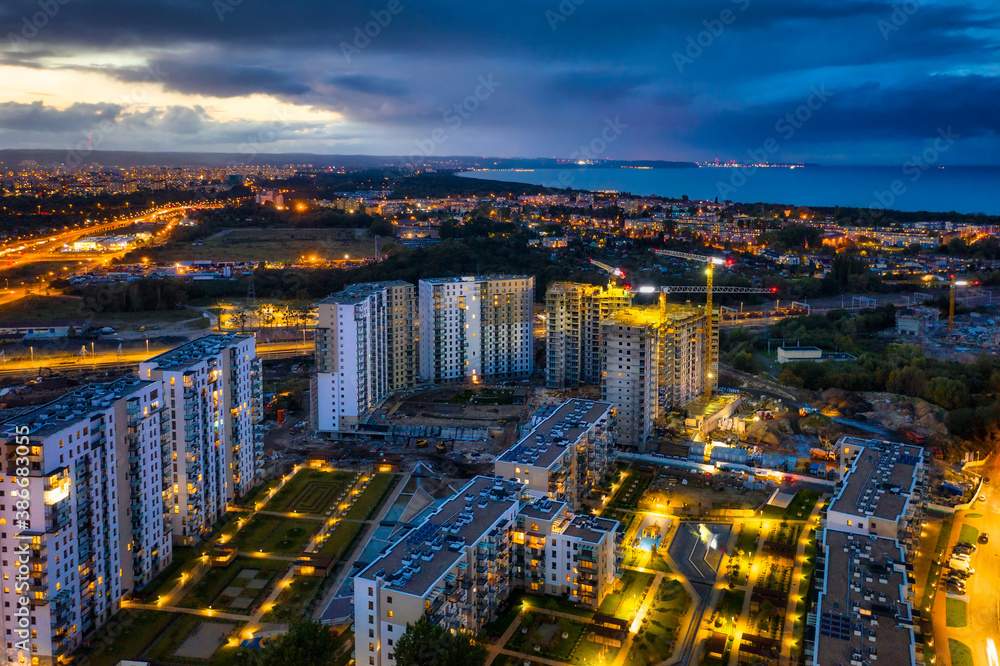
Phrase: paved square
(232,591)
(247,573)
(256,584)
(202,643)
(241,603)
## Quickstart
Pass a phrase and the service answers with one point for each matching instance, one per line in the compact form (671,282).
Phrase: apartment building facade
(460,564)
(573,316)
(475,328)
(365,350)
(96,500)
(653,361)
(213,394)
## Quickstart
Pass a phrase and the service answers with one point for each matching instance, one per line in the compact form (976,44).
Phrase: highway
(110,360)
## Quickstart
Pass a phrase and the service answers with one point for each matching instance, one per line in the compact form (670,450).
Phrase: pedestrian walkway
(497,647)
(789,625)
(203,612)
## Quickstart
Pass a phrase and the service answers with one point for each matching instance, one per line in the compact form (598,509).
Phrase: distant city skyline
(860,82)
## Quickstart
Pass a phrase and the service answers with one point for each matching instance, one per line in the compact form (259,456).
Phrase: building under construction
(574,313)
(654,360)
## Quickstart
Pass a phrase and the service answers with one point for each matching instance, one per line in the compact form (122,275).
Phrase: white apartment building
(566,453)
(654,359)
(97,524)
(365,350)
(864,599)
(476,327)
(459,565)
(213,398)
(573,316)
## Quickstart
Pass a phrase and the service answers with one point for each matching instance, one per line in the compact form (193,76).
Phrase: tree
(427,644)
(306,642)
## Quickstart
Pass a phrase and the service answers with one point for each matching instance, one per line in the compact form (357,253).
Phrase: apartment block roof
(79,405)
(590,529)
(191,353)
(881,479)
(863,592)
(549,440)
(355,293)
(415,563)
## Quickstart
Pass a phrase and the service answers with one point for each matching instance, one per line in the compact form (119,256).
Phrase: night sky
(863,82)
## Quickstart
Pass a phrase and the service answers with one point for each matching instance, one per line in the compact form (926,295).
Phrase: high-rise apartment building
(476,327)
(566,453)
(573,316)
(213,398)
(463,561)
(365,349)
(654,360)
(93,523)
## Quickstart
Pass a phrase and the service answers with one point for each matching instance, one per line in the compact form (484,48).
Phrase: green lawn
(43,309)
(184,560)
(124,636)
(182,626)
(557,604)
(292,601)
(955,612)
(311,491)
(968,534)
(276,535)
(660,626)
(210,589)
(798,509)
(341,538)
(371,497)
(548,635)
(626,601)
(961,655)
(731,605)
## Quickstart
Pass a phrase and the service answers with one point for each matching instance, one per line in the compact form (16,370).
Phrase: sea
(913,187)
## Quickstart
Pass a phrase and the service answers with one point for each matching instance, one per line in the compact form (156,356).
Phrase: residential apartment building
(566,453)
(462,562)
(365,350)
(653,361)
(213,398)
(97,499)
(863,607)
(476,327)
(573,316)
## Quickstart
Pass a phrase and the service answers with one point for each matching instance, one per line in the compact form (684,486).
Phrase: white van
(960,565)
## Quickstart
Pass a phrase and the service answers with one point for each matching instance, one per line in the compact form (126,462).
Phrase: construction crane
(709,315)
(611,270)
(951,305)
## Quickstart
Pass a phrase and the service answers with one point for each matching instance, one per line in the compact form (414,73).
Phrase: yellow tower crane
(709,314)
(951,305)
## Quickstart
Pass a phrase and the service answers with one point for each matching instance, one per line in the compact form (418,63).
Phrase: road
(983,612)
(127,359)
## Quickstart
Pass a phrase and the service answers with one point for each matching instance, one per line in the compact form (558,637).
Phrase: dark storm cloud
(368,84)
(897,74)
(36,117)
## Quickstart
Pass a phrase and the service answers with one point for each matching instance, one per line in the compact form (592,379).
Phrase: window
(390,614)
(388,600)
(371,646)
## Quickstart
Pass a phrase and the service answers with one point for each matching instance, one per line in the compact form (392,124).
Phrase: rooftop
(355,293)
(543,509)
(474,278)
(416,562)
(79,405)
(191,353)
(544,445)
(863,591)
(880,480)
(590,529)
